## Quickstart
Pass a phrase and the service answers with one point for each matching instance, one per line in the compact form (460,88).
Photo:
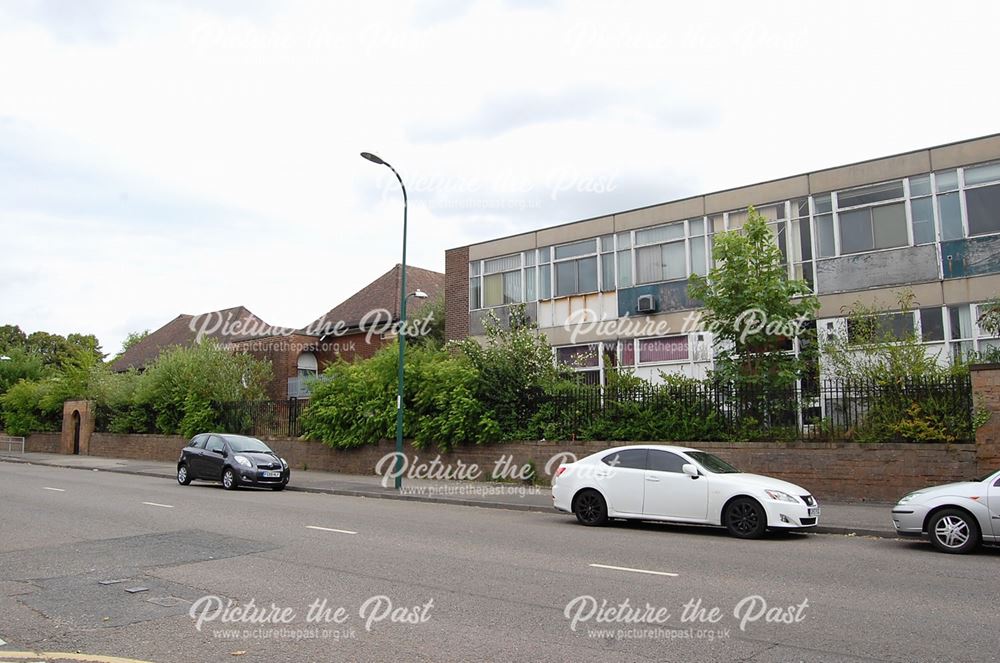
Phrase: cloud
(504,113)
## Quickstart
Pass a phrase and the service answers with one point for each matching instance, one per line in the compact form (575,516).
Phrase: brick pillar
(77,427)
(456,293)
(986,393)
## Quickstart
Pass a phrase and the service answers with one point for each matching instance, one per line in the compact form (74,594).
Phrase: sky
(159,158)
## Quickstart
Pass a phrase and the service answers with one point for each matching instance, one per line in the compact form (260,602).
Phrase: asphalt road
(438,582)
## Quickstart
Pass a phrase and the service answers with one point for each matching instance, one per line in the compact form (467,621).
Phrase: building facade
(612,290)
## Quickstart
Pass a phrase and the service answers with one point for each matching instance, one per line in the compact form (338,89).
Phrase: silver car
(957,517)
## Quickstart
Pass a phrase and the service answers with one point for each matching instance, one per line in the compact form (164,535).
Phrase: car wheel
(745,518)
(953,531)
(590,508)
(183,478)
(229,481)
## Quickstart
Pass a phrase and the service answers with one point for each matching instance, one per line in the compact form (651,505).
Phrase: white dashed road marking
(625,568)
(165,506)
(329,529)
(58,490)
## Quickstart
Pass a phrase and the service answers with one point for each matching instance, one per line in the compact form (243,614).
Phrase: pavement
(867,519)
(107,564)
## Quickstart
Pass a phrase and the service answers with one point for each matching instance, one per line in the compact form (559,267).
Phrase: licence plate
(814,511)
(270,475)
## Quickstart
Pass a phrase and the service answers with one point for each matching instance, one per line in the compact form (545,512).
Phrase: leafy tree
(12,338)
(180,389)
(19,364)
(752,308)
(515,369)
(131,340)
(429,319)
(355,403)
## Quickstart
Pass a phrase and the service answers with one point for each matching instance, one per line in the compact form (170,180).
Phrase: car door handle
(652,478)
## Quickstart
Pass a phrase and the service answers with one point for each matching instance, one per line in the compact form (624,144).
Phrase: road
(463,583)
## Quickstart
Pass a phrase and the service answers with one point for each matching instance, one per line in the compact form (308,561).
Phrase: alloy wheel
(952,532)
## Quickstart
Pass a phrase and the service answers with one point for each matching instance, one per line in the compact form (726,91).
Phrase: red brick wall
(456,293)
(986,387)
(44,443)
(831,471)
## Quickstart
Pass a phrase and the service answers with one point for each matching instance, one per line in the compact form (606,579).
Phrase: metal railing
(8,443)
(914,410)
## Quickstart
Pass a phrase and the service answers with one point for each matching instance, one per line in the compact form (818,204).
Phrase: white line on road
(625,568)
(329,529)
(58,490)
(2,643)
(165,506)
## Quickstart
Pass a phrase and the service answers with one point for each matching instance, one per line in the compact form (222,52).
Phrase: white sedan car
(677,484)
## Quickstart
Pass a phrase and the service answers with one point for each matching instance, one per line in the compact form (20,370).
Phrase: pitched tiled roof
(382,293)
(179,332)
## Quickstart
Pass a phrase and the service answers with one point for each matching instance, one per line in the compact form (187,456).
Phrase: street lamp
(402,323)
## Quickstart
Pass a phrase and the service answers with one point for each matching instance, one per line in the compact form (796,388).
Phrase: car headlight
(243,460)
(780,496)
(909,498)
(284,463)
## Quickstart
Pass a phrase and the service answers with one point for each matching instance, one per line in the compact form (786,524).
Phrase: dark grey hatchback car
(235,460)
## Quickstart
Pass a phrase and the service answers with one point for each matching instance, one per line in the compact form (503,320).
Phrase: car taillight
(562,468)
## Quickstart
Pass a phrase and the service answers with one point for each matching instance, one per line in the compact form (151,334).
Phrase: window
(624,260)
(872,330)
(199,441)
(866,223)
(922,209)
(666,259)
(664,461)
(800,242)
(608,262)
(499,281)
(665,348)
(576,268)
(215,443)
(307,366)
(631,459)
(931,324)
(983,208)
(544,273)
(502,281)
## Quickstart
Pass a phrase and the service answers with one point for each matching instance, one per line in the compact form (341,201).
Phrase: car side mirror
(221,452)
(690,470)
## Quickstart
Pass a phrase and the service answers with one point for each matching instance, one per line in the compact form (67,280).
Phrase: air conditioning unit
(646,304)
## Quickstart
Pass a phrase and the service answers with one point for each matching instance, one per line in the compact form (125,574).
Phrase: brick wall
(986,387)
(456,293)
(45,443)
(832,471)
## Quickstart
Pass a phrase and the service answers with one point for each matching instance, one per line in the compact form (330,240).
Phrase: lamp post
(402,323)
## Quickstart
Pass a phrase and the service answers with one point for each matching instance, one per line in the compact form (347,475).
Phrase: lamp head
(420,294)
(371,157)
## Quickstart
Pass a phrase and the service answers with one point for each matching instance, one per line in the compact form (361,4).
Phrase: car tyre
(744,518)
(953,531)
(183,476)
(590,508)
(229,480)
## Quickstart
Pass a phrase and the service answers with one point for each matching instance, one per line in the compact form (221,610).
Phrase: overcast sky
(182,157)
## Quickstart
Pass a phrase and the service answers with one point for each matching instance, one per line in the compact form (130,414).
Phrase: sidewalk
(837,518)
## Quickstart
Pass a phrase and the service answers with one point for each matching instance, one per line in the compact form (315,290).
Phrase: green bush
(354,404)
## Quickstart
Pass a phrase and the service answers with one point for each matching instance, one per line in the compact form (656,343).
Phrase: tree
(12,338)
(131,340)
(752,308)
(989,317)
(515,369)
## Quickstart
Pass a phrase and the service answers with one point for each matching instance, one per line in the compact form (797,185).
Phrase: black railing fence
(916,410)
